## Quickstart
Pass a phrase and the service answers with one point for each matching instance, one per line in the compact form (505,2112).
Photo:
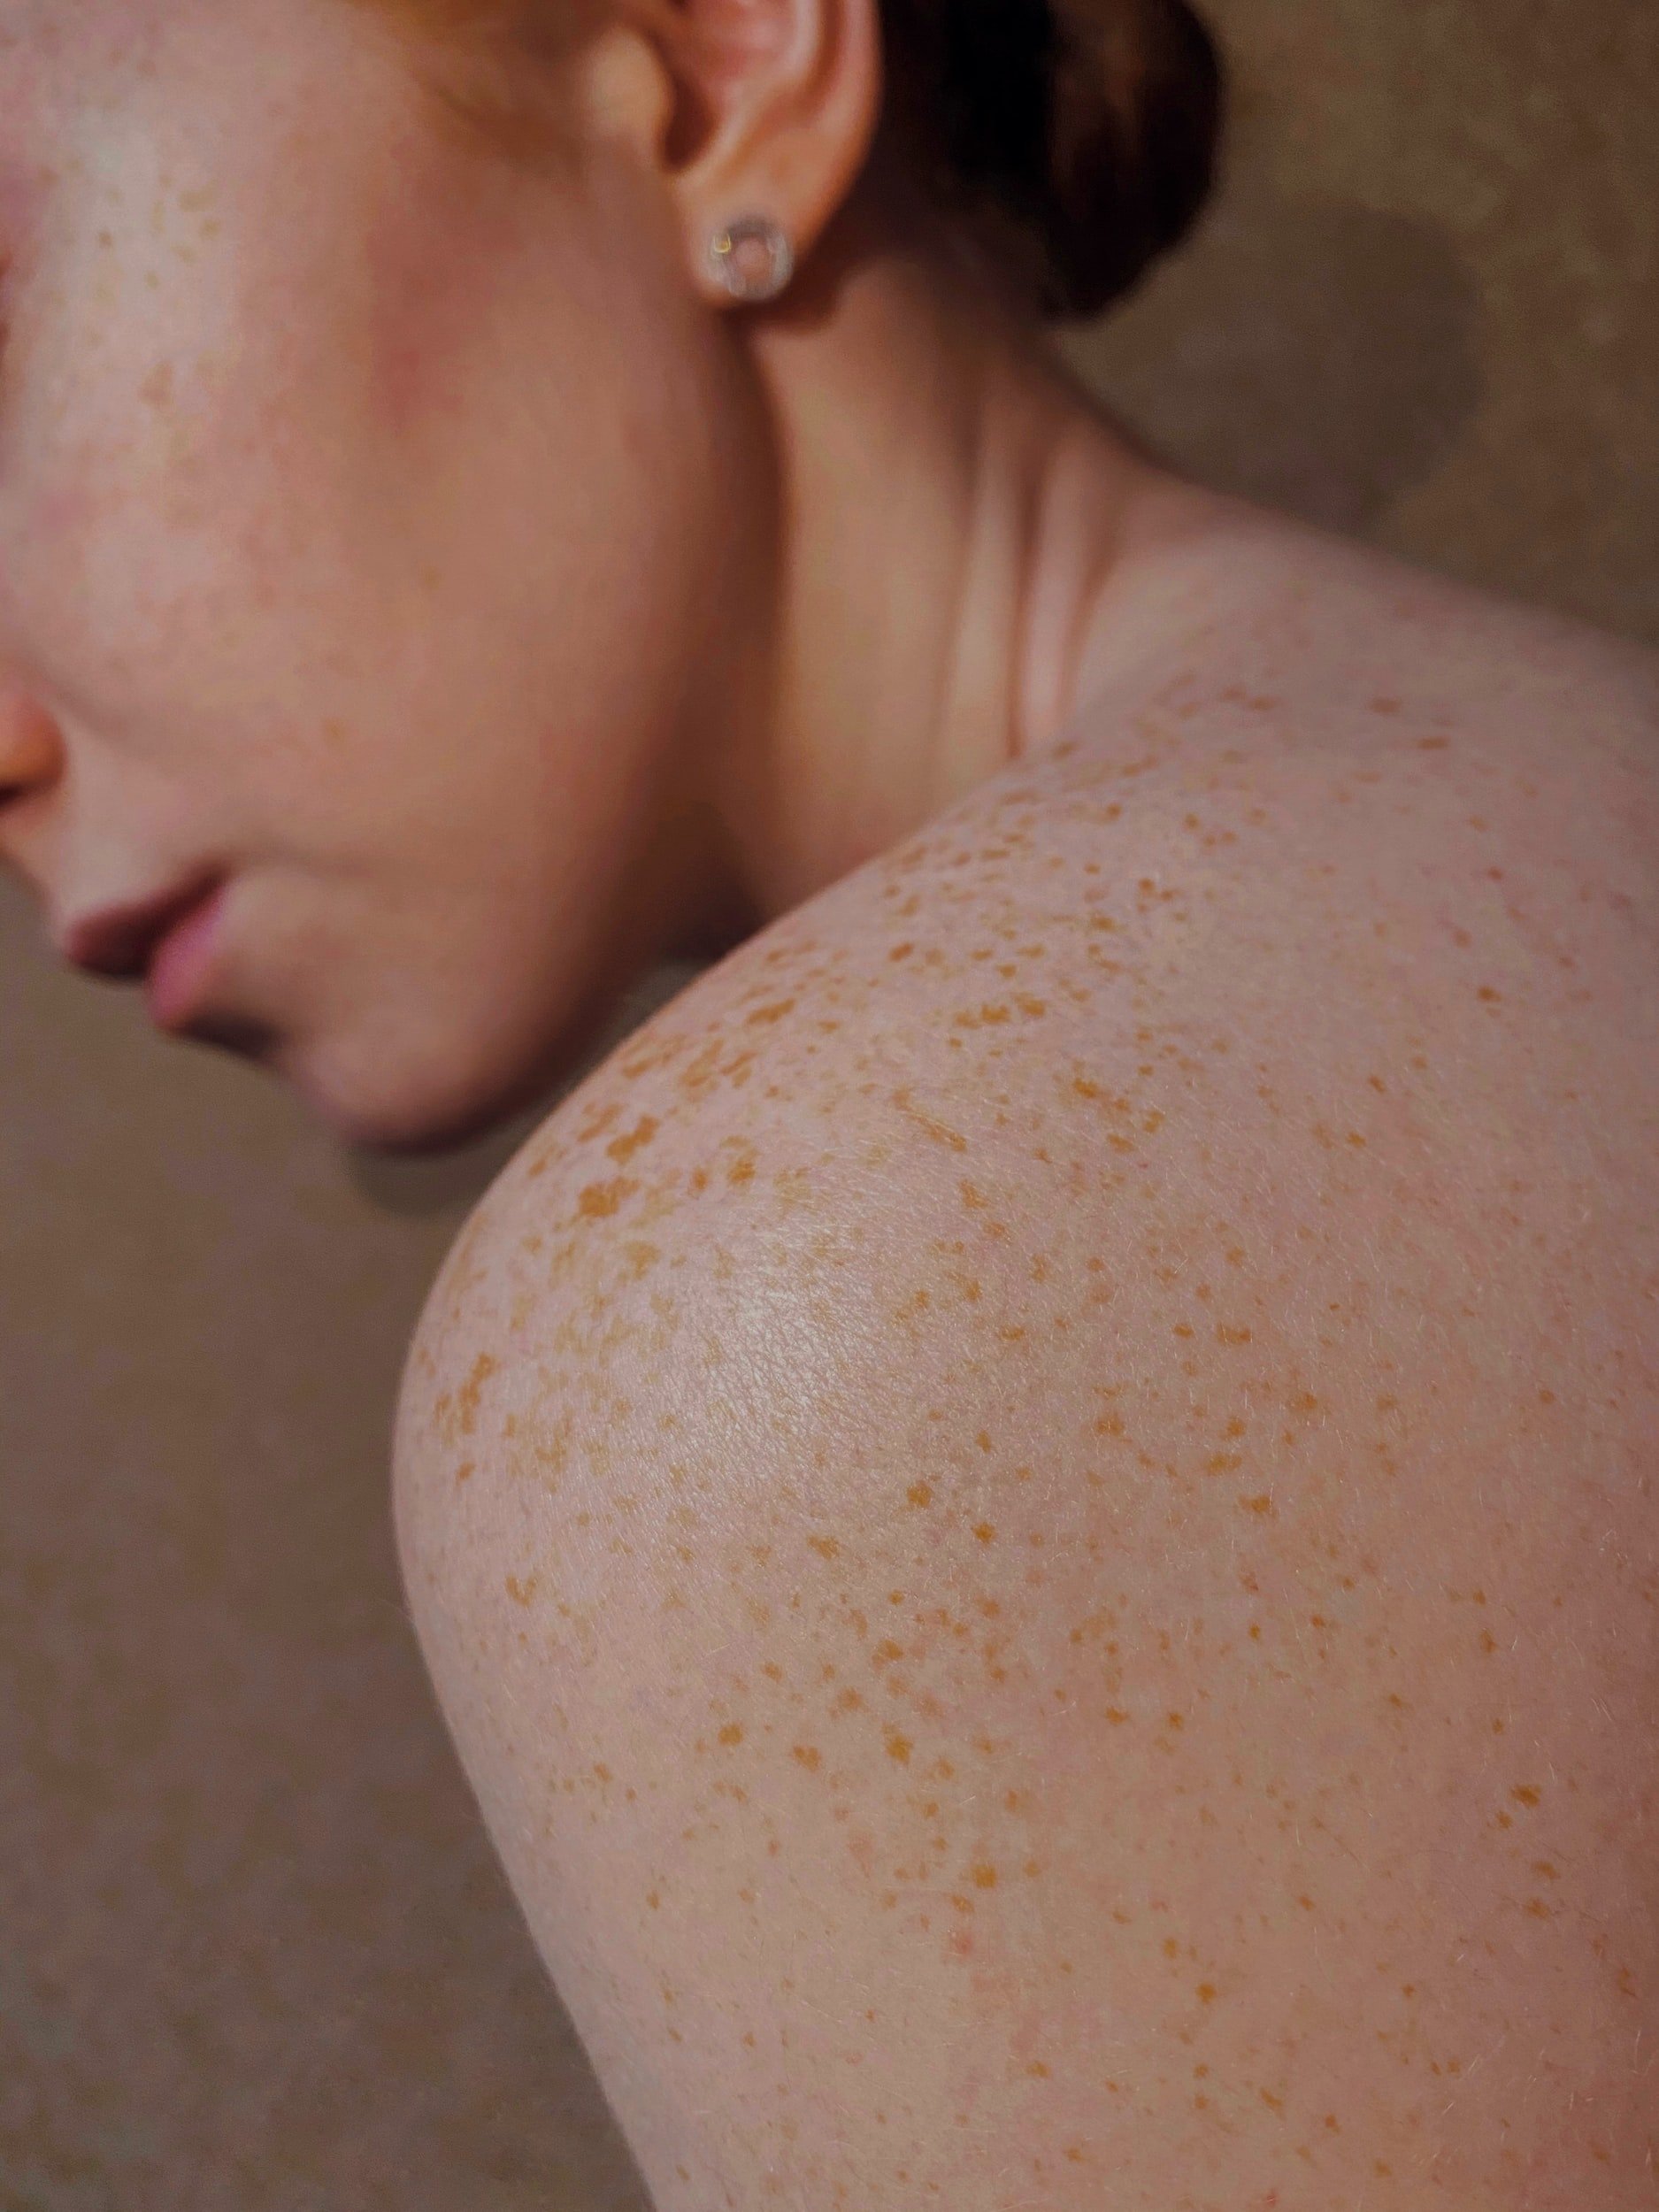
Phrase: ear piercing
(752,258)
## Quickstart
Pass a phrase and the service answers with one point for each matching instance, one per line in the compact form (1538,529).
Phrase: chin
(422,1085)
(408,1113)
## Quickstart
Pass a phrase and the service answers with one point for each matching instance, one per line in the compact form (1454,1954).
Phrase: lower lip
(182,964)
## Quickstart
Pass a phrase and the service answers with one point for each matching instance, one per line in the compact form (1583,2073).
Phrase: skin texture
(400,527)
(1164,1185)
(281,528)
(1035,1513)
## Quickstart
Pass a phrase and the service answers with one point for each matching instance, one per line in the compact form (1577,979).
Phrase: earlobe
(757,132)
(788,122)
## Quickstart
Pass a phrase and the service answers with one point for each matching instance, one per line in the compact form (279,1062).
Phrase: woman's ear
(750,111)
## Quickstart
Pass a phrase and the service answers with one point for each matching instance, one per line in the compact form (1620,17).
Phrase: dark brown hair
(1089,127)
(1082,134)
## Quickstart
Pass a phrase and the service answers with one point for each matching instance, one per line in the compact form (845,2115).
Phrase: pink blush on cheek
(429,295)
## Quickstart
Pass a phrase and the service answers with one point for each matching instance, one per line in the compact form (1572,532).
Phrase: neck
(960,524)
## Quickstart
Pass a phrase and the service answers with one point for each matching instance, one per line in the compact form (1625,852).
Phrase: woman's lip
(117,941)
(182,961)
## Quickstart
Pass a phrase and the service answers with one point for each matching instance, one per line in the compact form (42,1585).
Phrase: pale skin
(1034,1511)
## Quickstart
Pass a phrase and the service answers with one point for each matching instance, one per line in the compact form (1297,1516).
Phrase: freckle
(1492,997)
(1176,1720)
(767,1014)
(1116,1716)
(1306,1903)
(983,1530)
(771,1667)
(732,1733)
(1206,1992)
(466,1473)
(1524,1794)
(1039,2068)
(1432,744)
(1263,1503)
(521,1593)
(809,1756)
(826,1544)
(622,1149)
(600,1200)
(985,1876)
(699,1178)
(1172,1948)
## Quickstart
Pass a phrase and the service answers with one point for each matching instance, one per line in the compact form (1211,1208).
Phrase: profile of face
(374,540)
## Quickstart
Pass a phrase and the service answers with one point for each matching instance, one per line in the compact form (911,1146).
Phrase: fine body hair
(1080,136)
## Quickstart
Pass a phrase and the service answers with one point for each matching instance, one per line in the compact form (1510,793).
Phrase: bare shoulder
(1343,999)
(1040,1501)
(1376,855)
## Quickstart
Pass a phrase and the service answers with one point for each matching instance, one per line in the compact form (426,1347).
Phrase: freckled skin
(1092,1611)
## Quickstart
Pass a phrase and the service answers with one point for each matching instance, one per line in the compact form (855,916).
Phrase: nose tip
(31,750)
(31,763)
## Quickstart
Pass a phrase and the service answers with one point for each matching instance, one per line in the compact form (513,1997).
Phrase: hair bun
(1133,141)
(1092,125)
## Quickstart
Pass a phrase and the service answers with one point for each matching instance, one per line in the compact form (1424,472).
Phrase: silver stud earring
(752,258)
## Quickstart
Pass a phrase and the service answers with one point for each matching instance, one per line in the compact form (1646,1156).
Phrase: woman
(1034,1511)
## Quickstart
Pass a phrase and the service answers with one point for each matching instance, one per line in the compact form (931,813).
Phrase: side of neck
(954,508)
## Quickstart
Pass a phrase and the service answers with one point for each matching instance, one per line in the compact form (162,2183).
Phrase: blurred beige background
(254,1952)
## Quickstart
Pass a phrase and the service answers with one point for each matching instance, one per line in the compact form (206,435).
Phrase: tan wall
(1427,306)
(253,1950)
